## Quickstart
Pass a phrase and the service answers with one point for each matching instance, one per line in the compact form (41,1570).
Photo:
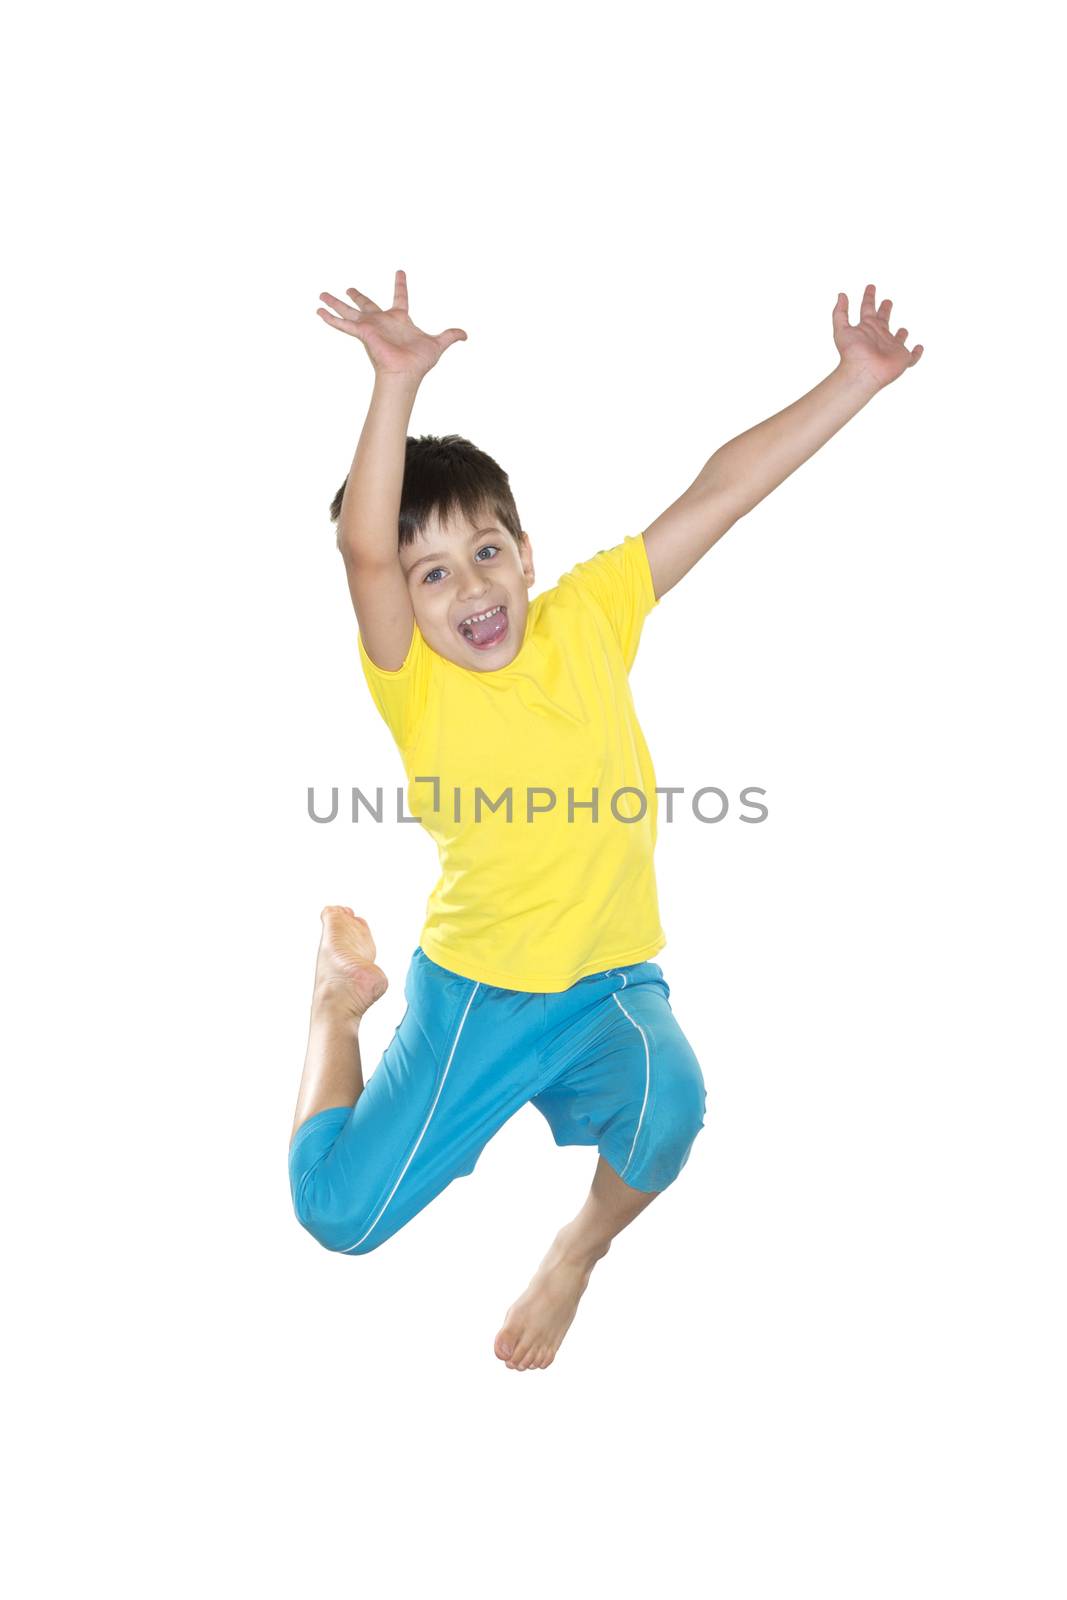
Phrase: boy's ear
(527,559)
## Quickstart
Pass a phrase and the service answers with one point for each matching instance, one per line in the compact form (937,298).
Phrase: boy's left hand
(871,348)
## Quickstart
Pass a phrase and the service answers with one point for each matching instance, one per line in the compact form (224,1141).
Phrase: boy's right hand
(392,341)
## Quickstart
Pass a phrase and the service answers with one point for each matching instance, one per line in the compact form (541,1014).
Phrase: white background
(829,1359)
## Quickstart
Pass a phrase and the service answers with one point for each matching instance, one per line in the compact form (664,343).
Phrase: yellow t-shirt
(538,901)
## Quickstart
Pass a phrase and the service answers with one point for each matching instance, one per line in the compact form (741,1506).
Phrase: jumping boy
(533,979)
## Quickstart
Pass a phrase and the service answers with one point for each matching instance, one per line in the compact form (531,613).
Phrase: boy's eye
(494,547)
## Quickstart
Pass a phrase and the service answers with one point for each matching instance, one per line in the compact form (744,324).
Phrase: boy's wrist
(397,382)
(854,376)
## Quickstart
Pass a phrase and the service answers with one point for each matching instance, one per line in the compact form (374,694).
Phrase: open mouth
(485,628)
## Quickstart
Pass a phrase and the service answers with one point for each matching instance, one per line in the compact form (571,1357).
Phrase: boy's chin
(465,655)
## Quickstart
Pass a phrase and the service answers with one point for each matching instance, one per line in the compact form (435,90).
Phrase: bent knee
(677,1117)
(329,1205)
(680,1096)
(343,1233)
(335,1223)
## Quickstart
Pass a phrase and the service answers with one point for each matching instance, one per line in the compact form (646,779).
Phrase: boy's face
(458,571)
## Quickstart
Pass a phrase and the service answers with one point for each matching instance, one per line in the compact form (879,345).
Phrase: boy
(533,979)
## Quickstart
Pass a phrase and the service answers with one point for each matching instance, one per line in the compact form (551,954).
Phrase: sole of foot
(345,970)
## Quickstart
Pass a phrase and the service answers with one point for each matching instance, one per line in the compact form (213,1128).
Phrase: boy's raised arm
(368,525)
(740,474)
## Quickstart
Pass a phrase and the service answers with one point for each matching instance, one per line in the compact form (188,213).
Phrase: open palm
(870,345)
(390,338)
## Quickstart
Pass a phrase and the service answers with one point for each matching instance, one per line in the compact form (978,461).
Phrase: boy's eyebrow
(440,555)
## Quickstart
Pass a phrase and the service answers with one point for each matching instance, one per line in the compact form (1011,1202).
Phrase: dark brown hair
(448,475)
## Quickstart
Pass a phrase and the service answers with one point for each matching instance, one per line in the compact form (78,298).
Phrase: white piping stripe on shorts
(644,1102)
(425,1125)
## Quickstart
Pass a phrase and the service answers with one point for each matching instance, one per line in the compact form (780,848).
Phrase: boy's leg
(462,1060)
(534,1326)
(346,983)
(630,1083)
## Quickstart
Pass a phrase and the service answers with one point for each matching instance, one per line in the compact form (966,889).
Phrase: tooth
(481,616)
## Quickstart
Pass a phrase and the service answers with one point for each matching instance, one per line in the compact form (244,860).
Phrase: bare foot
(534,1326)
(345,974)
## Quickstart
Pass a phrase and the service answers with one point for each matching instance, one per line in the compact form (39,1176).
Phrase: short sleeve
(619,582)
(401,695)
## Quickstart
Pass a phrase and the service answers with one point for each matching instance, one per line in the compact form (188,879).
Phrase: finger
(902,334)
(400,292)
(884,309)
(916,353)
(340,307)
(841,313)
(866,304)
(346,325)
(449,336)
(363,301)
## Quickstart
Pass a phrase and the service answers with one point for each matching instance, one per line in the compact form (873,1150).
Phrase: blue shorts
(605,1062)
